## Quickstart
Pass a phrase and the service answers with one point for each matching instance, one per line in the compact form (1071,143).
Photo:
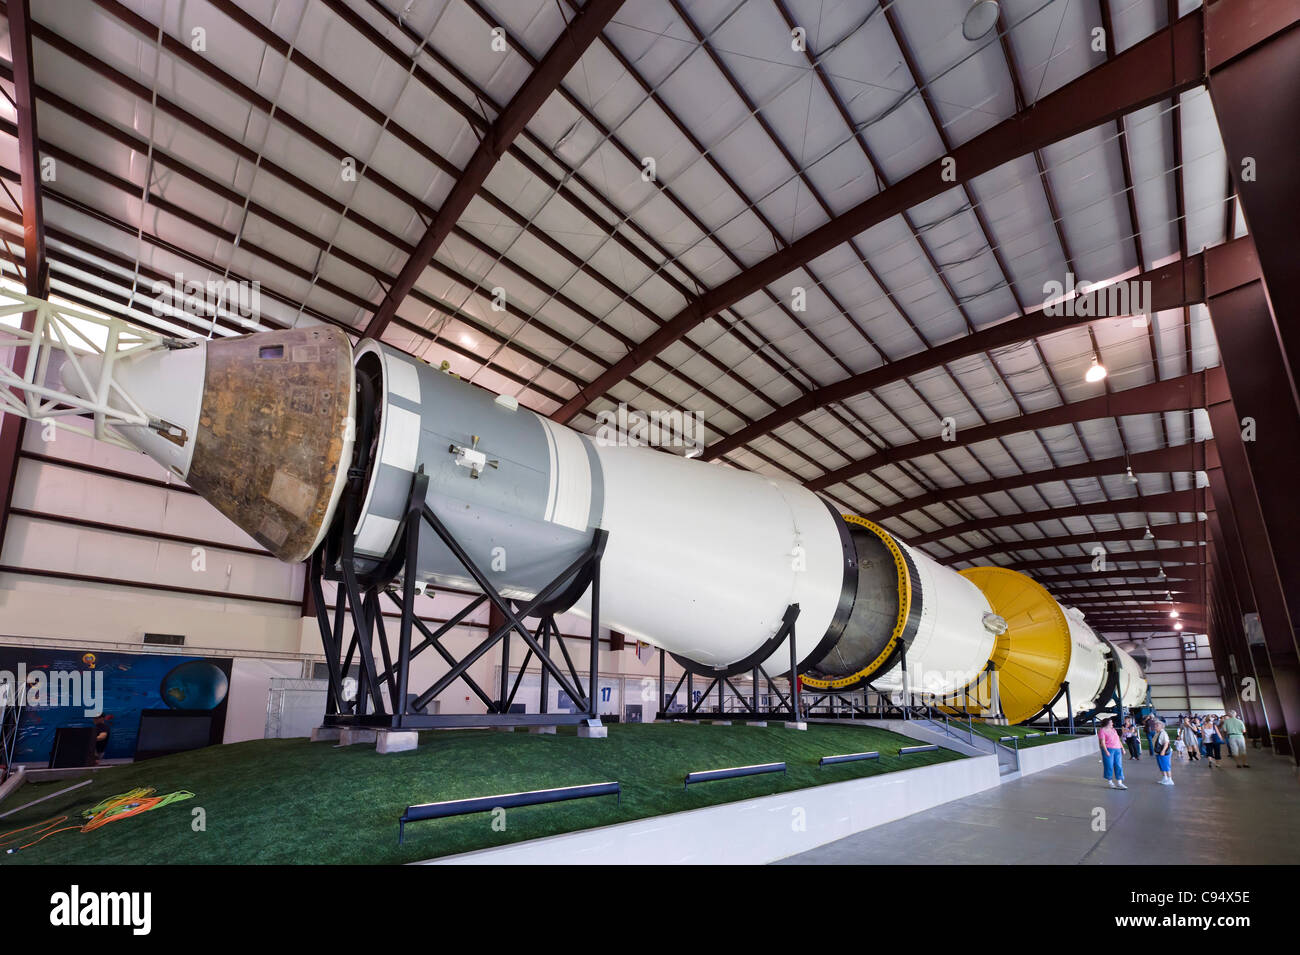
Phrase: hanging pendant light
(1096,371)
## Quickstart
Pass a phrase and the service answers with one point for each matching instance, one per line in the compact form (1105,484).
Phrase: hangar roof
(308,145)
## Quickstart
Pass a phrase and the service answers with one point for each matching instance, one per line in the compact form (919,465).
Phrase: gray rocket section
(500,518)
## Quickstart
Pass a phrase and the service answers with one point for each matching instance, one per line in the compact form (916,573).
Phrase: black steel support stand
(789,709)
(1069,705)
(663,703)
(358,601)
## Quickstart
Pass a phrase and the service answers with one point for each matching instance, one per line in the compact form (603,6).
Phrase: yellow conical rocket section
(1033,654)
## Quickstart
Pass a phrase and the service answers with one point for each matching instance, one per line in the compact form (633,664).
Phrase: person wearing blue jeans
(1112,754)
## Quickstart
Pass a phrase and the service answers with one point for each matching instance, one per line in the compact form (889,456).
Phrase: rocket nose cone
(274,434)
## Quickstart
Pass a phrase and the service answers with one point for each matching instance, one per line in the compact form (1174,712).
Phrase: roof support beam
(12,427)
(1165,63)
(1120,603)
(1196,624)
(1169,501)
(1155,624)
(1183,532)
(1095,579)
(1103,601)
(1180,458)
(1173,285)
(563,55)
(1154,597)
(1171,394)
(1168,555)
(1253,51)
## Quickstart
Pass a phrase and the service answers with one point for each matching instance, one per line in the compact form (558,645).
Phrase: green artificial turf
(292,801)
(995,732)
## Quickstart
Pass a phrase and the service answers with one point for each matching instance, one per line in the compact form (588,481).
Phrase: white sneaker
(1120,785)
(1166,781)
(1110,783)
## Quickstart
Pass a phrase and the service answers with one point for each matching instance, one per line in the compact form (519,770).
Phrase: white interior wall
(1182,682)
(250,684)
(156,534)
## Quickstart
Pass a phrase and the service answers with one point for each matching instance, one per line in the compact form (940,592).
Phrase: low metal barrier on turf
(709,775)
(908,750)
(846,758)
(462,807)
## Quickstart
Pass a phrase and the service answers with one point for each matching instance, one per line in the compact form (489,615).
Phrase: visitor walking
(1130,734)
(1149,724)
(1163,753)
(1112,756)
(1191,739)
(1210,737)
(1235,731)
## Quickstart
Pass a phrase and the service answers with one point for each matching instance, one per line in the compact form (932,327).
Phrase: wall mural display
(110,692)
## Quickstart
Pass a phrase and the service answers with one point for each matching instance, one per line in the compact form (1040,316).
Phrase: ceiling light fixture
(1128,473)
(1149,535)
(1173,614)
(1096,371)
(980,19)
(1178,626)
(1161,575)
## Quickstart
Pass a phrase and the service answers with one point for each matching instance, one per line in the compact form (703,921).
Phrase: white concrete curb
(753,831)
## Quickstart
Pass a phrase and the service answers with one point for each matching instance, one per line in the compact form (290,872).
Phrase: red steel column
(1245,542)
(1252,50)
(1230,636)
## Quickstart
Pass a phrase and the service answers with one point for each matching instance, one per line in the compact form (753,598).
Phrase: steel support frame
(12,426)
(1228,645)
(1242,540)
(1256,423)
(1161,65)
(1252,49)
(563,55)
(357,601)
(789,709)
(1252,53)
(1169,394)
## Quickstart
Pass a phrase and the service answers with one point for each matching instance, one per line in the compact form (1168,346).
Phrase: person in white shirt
(1163,750)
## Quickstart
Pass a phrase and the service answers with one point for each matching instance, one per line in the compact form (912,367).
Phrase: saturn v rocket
(701,559)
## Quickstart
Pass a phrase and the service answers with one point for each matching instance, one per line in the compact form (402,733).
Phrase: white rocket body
(700,559)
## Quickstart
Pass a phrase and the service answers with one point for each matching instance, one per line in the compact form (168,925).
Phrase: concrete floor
(1209,816)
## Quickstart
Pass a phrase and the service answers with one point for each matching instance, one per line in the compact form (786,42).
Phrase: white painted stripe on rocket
(375,534)
(548,512)
(403,379)
(401,438)
(568,497)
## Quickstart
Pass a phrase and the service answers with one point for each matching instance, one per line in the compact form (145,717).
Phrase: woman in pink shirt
(1112,756)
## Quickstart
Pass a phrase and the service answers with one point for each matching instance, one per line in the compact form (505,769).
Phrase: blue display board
(115,688)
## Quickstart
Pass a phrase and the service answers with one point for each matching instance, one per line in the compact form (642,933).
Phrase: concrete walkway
(1210,816)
